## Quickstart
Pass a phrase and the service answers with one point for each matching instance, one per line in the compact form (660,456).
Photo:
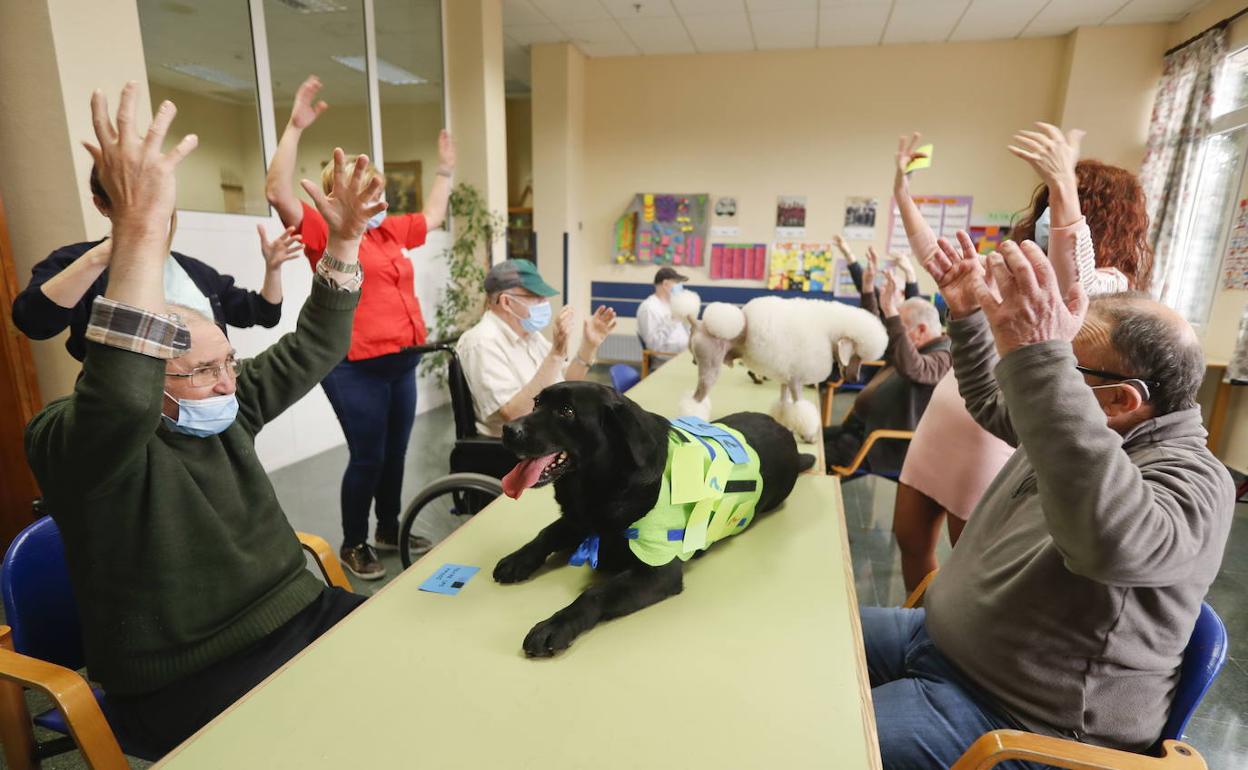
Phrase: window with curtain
(1216,181)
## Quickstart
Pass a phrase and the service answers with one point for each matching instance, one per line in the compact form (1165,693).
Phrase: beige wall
(1112,76)
(820,123)
(50,62)
(519,149)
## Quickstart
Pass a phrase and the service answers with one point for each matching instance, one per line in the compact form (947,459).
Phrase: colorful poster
(806,267)
(945,214)
(666,229)
(988,238)
(860,218)
(1235,263)
(741,261)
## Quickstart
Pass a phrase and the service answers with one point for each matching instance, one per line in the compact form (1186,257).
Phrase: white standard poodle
(792,341)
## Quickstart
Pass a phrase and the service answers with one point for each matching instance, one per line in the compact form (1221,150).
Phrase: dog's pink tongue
(526,474)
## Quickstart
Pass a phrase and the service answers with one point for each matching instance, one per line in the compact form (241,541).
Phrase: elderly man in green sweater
(191,584)
(1074,589)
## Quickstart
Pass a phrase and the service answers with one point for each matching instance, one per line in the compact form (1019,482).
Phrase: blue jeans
(926,713)
(375,400)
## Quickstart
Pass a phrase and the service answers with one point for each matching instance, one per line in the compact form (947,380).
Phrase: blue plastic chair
(40,608)
(624,377)
(1202,660)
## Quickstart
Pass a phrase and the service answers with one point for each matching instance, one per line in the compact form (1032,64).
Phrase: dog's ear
(628,428)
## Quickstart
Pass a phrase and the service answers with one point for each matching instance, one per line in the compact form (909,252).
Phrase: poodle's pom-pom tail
(689,407)
(723,320)
(685,305)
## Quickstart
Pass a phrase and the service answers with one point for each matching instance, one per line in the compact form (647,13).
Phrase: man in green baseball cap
(506,358)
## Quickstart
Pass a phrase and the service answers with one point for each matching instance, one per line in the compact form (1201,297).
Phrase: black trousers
(151,725)
(842,442)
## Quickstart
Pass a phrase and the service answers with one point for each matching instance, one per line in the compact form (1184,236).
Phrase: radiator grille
(620,347)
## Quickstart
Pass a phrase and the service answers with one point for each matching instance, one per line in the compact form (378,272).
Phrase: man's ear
(1121,400)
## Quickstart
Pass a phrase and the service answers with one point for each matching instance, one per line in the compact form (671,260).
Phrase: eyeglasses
(208,375)
(1139,383)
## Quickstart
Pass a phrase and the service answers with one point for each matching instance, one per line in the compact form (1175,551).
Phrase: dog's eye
(566,412)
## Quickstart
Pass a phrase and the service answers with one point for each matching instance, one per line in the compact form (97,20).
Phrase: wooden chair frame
(829,392)
(882,434)
(1004,745)
(647,359)
(73,697)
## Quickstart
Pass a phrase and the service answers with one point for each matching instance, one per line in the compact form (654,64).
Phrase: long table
(758,663)
(733,392)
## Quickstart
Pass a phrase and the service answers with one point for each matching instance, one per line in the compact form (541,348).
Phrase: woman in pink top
(1106,253)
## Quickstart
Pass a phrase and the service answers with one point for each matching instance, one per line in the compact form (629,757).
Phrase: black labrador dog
(606,457)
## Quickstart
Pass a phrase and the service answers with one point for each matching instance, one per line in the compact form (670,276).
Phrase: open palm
(354,198)
(306,108)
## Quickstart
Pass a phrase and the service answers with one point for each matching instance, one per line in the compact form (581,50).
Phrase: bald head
(1133,334)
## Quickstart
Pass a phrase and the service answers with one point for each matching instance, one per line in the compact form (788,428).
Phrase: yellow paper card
(919,163)
(720,524)
(717,475)
(695,530)
(687,478)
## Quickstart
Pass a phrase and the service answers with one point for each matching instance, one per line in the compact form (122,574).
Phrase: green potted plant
(462,302)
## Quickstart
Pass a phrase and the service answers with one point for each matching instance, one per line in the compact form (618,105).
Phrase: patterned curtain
(1176,135)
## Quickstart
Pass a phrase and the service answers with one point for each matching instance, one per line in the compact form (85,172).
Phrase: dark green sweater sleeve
(98,433)
(274,380)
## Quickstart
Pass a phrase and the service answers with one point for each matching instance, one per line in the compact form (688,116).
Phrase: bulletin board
(662,229)
(945,214)
(809,267)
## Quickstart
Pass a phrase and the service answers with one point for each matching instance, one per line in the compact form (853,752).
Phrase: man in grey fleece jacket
(1067,605)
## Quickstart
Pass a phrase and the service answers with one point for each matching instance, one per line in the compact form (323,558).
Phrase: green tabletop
(662,391)
(758,663)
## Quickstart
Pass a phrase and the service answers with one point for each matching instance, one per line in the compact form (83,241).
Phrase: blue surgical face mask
(1042,231)
(539,317)
(203,417)
(677,288)
(376,219)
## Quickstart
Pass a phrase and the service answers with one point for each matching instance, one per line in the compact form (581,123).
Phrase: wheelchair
(477,462)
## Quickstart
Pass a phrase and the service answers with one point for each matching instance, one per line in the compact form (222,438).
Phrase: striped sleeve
(139,331)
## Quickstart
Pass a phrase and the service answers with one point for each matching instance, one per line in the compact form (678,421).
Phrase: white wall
(228,242)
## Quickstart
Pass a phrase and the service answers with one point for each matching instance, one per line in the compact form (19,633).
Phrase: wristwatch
(327,265)
(337,265)
(587,364)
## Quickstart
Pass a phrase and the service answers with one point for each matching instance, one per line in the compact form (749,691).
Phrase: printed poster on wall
(945,214)
(790,217)
(860,218)
(1235,264)
(725,223)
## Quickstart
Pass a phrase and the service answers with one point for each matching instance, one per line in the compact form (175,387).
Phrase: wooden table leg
(1217,417)
(15,730)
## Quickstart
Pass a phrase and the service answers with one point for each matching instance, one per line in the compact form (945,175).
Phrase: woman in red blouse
(373,391)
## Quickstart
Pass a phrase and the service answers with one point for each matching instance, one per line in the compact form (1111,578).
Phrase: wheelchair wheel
(462,494)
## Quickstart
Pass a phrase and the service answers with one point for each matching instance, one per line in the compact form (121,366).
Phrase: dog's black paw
(550,637)
(516,568)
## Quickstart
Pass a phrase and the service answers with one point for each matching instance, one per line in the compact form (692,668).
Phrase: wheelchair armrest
(447,345)
(73,698)
(876,435)
(1004,745)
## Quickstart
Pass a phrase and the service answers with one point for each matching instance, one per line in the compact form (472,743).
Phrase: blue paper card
(449,578)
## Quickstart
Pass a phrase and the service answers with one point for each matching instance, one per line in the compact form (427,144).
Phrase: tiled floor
(309,493)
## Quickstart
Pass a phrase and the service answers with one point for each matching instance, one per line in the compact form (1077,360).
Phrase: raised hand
(871,270)
(285,247)
(137,176)
(355,196)
(1031,308)
(306,108)
(1050,152)
(890,295)
(446,151)
(905,265)
(599,325)
(958,275)
(563,330)
(842,245)
(906,154)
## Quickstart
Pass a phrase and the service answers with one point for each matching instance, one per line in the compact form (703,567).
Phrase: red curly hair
(1113,201)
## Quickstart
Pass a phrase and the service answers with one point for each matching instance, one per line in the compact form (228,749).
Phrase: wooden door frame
(19,402)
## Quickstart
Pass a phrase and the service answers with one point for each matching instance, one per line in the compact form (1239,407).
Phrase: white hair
(917,310)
